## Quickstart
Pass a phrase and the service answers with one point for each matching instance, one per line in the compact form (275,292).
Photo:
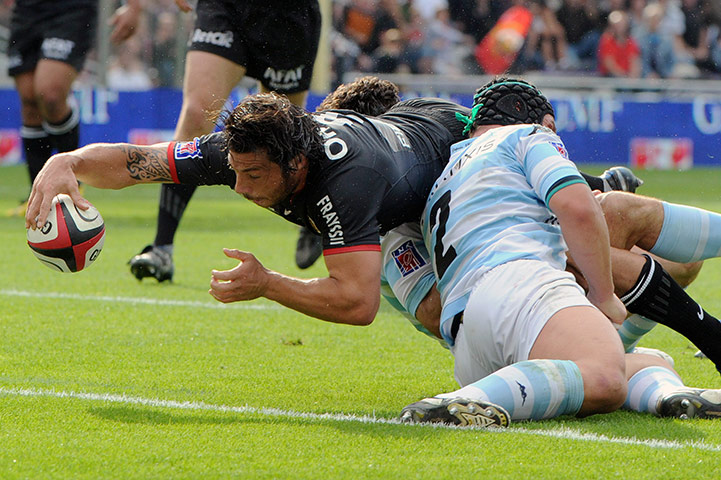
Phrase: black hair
(271,123)
(368,95)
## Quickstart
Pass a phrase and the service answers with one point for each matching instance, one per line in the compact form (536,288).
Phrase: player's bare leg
(203,94)
(48,119)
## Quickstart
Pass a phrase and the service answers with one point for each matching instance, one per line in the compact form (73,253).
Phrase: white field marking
(140,300)
(562,433)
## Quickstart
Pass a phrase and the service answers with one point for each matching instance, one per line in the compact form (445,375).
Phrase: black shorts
(53,30)
(276,41)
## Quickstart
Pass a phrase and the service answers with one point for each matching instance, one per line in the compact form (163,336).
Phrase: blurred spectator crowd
(152,57)
(624,38)
(620,38)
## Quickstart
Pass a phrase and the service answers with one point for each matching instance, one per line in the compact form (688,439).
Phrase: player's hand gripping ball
(71,239)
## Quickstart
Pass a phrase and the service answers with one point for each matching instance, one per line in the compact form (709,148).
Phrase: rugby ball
(71,239)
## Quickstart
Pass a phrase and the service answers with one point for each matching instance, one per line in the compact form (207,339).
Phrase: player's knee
(605,387)
(29,107)
(28,100)
(53,103)
(627,216)
(685,273)
(616,217)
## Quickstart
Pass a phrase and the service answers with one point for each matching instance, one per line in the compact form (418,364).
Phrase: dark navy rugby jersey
(375,175)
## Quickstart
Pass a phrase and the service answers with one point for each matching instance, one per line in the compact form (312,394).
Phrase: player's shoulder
(526,133)
(338,119)
(423,102)
(508,138)
(540,129)
(429,105)
(209,147)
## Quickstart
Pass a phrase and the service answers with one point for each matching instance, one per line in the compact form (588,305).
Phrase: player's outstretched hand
(183,5)
(56,177)
(246,281)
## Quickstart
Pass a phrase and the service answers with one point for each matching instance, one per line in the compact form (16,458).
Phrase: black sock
(37,148)
(173,200)
(658,297)
(65,135)
(596,183)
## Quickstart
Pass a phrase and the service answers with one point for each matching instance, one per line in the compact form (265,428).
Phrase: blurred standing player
(272,41)
(49,41)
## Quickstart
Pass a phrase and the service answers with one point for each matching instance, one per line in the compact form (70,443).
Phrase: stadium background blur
(103,376)
(666,115)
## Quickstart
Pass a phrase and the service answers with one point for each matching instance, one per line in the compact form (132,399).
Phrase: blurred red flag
(497,51)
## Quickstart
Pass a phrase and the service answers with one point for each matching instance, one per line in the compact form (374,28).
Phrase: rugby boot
(18,211)
(308,248)
(691,403)
(620,178)
(456,411)
(152,262)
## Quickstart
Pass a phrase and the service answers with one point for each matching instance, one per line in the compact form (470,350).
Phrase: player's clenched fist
(247,281)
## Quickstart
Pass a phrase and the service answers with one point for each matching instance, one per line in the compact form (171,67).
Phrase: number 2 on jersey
(440,211)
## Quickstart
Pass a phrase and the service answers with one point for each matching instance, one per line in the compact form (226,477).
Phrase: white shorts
(507,309)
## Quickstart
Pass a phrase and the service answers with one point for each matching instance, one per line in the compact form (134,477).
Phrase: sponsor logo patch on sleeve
(185,150)
(561,149)
(407,258)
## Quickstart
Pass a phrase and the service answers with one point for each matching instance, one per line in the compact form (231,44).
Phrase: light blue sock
(632,329)
(532,389)
(688,234)
(647,386)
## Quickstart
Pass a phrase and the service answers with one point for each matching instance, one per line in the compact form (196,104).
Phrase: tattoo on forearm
(146,164)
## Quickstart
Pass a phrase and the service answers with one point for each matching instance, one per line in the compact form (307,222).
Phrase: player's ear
(549,122)
(299,162)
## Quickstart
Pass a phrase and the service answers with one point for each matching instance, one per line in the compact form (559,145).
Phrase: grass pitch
(102,376)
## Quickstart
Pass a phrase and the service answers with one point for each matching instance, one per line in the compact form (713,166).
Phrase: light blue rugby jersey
(490,207)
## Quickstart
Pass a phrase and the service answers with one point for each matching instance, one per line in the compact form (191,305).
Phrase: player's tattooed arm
(101,165)
(147,163)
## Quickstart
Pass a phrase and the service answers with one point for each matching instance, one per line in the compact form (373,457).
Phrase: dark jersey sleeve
(201,161)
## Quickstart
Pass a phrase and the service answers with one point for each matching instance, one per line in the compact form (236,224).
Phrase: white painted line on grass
(562,433)
(140,300)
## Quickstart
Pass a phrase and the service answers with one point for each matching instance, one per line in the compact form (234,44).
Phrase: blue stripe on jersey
(392,275)
(561,184)
(538,162)
(387,293)
(419,292)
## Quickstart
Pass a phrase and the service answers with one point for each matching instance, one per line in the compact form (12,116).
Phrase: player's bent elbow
(362,313)
(365,318)
(364,321)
